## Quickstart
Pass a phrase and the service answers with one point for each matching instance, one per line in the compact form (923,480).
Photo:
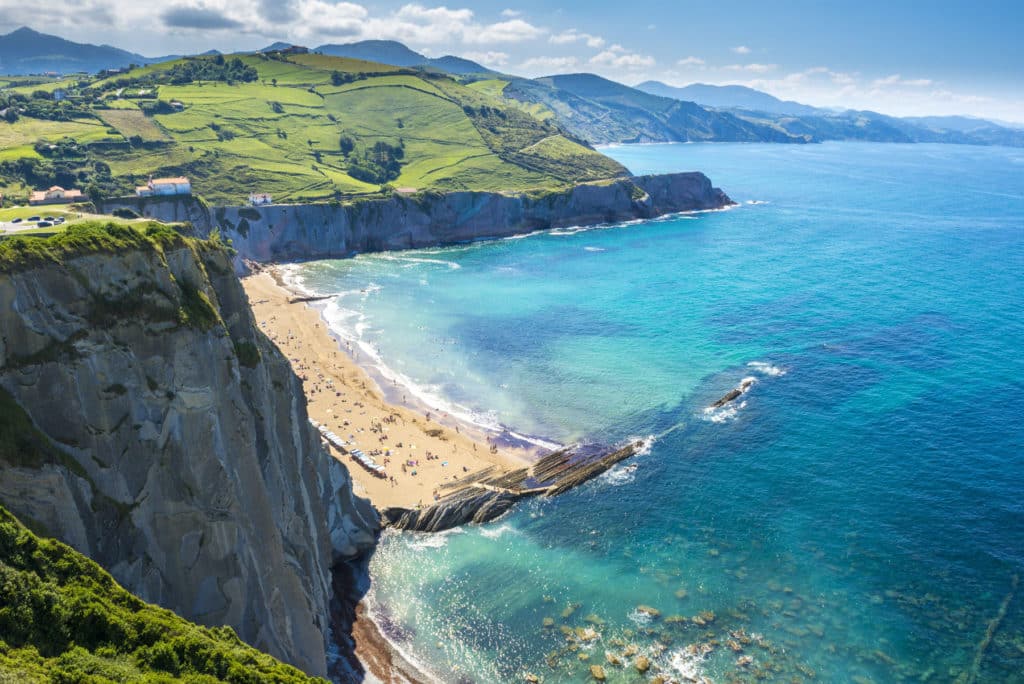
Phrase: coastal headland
(301,232)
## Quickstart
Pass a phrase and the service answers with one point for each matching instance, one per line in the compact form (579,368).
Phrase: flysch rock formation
(191,471)
(289,232)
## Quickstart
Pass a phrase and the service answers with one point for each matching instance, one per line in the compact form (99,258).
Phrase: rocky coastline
(188,467)
(300,232)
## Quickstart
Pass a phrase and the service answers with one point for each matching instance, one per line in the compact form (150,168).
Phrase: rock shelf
(489,493)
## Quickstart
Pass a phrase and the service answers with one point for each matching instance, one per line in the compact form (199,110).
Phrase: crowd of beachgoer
(318,383)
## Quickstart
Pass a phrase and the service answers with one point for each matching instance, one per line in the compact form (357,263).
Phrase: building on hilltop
(165,186)
(259,199)
(55,195)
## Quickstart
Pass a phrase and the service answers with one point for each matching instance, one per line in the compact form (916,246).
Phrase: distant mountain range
(598,110)
(729,97)
(396,54)
(25,51)
(589,107)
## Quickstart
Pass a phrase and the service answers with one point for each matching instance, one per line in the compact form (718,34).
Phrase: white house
(165,186)
(258,199)
(55,195)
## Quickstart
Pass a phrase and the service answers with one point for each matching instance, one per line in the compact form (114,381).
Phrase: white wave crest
(494,532)
(640,617)
(410,262)
(687,662)
(619,475)
(432,540)
(723,414)
(766,369)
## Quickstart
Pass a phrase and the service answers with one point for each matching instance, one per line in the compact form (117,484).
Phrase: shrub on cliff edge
(64,619)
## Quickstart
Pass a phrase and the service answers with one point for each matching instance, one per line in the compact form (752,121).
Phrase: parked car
(32,218)
(59,220)
(17,220)
(44,224)
(47,218)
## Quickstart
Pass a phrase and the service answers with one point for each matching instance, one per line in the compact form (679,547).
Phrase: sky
(893,56)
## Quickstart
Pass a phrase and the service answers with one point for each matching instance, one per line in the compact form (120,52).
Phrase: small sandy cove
(424,454)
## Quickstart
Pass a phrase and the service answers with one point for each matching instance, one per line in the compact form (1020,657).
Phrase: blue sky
(905,58)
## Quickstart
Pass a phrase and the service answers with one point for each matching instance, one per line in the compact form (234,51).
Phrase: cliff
(291,232)
(165,437)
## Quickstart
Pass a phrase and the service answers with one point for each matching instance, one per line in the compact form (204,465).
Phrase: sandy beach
(418,452)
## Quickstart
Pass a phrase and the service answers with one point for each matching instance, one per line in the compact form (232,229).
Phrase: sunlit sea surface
(858,515)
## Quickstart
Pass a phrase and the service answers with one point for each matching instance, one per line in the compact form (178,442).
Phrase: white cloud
(574,36)
(487,58)
(752,68)
(510,13)
(690,61)
(897,80)
(741,50)
(547,65)
(619,58)
(511,31)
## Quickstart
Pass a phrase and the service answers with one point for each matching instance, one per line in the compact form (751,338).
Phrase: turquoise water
(858,516)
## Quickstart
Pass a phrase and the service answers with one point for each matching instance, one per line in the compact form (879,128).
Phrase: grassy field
(71,218)
(282,133)
(129,122)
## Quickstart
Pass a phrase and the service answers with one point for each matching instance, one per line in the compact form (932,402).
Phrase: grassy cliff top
(63,618)
(301,127)
(18,253)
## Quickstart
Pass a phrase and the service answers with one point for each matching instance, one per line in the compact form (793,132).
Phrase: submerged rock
(597,672)
(642,664)
(648,610)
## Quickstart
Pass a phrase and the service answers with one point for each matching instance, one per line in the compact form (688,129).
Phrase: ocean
(857,515)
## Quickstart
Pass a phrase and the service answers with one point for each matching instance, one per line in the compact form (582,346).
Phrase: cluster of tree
(41,105)
(215,68)
(379,164)
(342,77)
(70,171)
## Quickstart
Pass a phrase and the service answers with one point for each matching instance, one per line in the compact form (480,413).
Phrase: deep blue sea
(857,516)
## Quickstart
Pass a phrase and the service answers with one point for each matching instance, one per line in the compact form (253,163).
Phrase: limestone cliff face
(192,472)
(289,232)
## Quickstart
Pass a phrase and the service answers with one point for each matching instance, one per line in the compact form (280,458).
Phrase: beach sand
(343,396)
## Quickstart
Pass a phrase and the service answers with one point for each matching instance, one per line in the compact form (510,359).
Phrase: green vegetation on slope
(301,127)
(20,253)
(64,619)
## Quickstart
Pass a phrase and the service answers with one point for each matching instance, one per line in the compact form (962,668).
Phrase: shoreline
(399,391)
(302,334)
(420,449)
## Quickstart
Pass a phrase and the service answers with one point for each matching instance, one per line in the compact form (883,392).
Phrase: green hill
(300,126)
(64,619)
